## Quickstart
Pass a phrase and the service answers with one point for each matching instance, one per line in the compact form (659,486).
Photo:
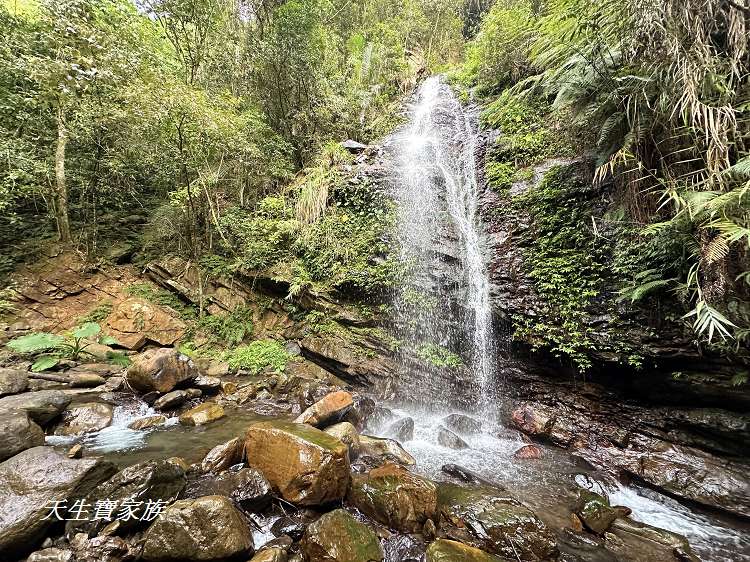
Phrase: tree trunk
(61,190)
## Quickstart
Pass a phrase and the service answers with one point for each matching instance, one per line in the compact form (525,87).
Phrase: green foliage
(162,297)
(98,313)
(438,356)
(257,356)
(49,349)
(227,329)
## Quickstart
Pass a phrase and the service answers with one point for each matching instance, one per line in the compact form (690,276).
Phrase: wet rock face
(207,528)
(151,480)
(395,497)
(12,381)
(339,537)
(347,434)
(273,554)
(377,447)
(148,422)
(462,424)
(305,465)
(18,433)
(403,548)
(247,487)
(528,452)
(161,369)
(30,482)
(42,406)
(223,456)
(402,430)
(329,409)
(449,439)
(85,418)
(171,400)
(443,550)
(594,511)
(489,519)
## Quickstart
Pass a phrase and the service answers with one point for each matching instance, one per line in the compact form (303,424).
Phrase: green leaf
(85,331)
(108,340)
(119,359)
(45,362)
(36,342)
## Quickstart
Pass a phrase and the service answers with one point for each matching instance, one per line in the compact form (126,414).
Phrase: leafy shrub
(228,329)
(257,356)
(49,349)
(161,297)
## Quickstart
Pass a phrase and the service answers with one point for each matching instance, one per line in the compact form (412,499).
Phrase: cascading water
(439,235)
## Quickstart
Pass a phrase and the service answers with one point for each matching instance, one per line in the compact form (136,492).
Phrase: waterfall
(446,300)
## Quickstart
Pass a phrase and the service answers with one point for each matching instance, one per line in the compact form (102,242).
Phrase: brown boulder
(395,497)
(305,465)
(451,551)
(202,414)
(347,434)
(148,422)
(528,452)
(331,408)
(161,370)
(12,381)
(135,321)
(85,418)
(18,433)
(207,528)
(223,456)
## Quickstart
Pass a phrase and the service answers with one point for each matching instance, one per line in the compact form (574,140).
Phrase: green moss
(257,356)
(438,356)
(162,297)
(98,313)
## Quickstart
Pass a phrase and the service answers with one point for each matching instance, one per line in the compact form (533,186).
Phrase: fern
(709,321)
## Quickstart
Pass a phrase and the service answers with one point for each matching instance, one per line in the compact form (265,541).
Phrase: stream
(441,238)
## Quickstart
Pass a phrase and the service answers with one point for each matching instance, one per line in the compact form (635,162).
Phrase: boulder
(18,433)
(329,409)
(305,465)
(353,146)
(30,483)
(347,434)
(150,480)
(462,424)
(395,497)
(42,406)
(443,550)
(12,381)
(594,511)
(223,456)
(51,555)
(639,541)
(339,537)
(148,422)
(207,528)
(449,439)
(489,519)
(202,414)
(161,369)
(377,447)
(171,400)
(402,430)
(292,527)
(247,487)
(403,548)
(85,418)
(209,385)
(363,408)
(135,321)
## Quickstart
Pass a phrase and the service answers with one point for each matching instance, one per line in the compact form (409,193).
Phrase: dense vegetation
(658,96)
(214,125)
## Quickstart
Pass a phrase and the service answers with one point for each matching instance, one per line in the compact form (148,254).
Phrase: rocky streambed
(164,461)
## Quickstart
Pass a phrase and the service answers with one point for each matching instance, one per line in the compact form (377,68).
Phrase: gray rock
(51,555)
(13,381)
(402,430)
(172,400)
(85,418)
(161,369)
(33,480)
(377,447)
(247,487)
(463,424)
(18,433)
(353,146)
(42,406)
(208,384)
(449,439)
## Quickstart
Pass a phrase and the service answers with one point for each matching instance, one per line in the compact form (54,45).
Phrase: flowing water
(440,237)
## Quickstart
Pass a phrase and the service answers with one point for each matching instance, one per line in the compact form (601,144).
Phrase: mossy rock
(595,511)
(339,537)
(395,497)
(489,519)
(451,551)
